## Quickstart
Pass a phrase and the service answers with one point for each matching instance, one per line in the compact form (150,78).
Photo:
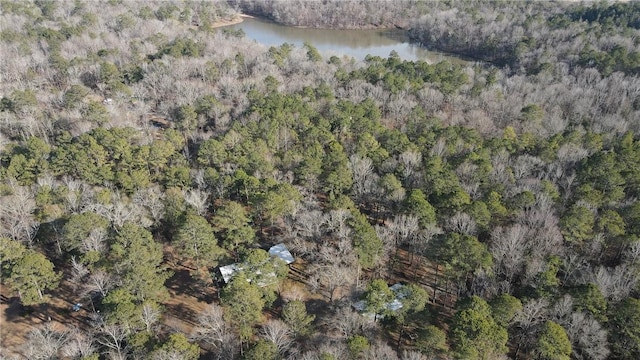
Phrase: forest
(481,210)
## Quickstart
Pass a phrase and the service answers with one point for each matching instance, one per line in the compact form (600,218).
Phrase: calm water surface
(355,43)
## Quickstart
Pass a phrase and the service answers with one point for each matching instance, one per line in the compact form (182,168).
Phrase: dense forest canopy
(142,146)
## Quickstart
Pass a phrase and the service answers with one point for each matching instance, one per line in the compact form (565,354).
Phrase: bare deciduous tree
(100,282)
(411,163)
(364,179)
(462,223)
(545,238)
(150,315)
(632,255)
(337,223)
(439,148)
(413,355)
(164,354)
(121,210)
(331,347)
(527,321)
(501,173)
(533,312)
(17,219)
(96,241)
(562,309)
(615,283)
(525,166)
(588,337)
(80,345)
(114,338)
(508,247)
(380,351)
(75,195)
(79,271)
(348,322)
(151,199)
(310,224)
(212,330)
(469,180)
(404,228)
(333,277)
(278,333)
(45,342)
(198,200)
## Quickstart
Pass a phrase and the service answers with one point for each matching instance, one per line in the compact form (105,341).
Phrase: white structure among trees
(277,251)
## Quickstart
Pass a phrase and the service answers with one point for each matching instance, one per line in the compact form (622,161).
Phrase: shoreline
(236,20)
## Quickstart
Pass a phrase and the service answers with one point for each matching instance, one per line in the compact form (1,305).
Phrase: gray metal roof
(393,305)
(282,252)
(228,271)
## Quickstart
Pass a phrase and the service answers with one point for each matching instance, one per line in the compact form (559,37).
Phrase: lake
(355,43)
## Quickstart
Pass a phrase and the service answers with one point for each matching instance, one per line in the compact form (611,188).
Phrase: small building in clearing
(393,306)
(280,251)
(228,271)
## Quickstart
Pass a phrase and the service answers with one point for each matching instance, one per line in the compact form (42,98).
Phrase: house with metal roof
(280,251)
(392,306)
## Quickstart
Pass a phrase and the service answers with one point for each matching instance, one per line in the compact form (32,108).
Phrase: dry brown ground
(14,324)
(408,267)
(188,296)
(16,320)
(190,291)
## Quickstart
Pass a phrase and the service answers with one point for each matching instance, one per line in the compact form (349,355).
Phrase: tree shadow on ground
(15,311)
(318,307)
(189,283)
